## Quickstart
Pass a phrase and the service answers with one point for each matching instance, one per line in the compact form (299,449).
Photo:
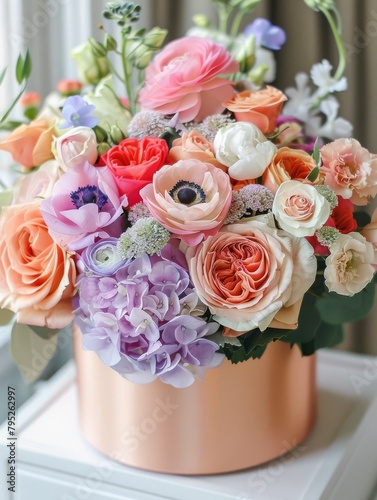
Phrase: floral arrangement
(199,217)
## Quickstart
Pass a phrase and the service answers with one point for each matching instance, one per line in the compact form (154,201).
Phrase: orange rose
(36,275)
(30,145)
(288,164)
(260,107)
(193,146)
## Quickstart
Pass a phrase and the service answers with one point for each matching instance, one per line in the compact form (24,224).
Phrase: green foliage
(253,344)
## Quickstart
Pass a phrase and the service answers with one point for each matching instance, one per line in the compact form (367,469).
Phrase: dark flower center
(88,194)
(188,193)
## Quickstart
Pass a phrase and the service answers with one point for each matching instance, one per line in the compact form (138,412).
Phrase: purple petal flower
(76,219)
(101,258)
(78,113)
(266,35)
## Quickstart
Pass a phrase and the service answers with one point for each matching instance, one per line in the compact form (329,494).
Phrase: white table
(338,461)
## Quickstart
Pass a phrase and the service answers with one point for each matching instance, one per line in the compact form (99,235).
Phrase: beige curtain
(309,41)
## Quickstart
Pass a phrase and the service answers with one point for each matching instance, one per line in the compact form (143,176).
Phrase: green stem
(339,43)
(236,23)
(127,70)
(223,17)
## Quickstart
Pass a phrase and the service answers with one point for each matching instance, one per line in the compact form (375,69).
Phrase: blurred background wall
(51,28)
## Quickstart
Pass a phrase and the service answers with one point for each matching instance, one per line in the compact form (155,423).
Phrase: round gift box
(238,416)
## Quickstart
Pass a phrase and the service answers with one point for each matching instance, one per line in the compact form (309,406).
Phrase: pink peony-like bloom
(85,204)
(350,170)
(37,276)
(184,78)
(249,272)
(190,199)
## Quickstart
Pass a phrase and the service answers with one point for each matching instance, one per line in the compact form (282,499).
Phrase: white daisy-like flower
(334,127)
(321,77)
(300,99)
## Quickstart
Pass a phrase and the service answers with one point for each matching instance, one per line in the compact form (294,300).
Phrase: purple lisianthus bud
(101,258)
(266,34)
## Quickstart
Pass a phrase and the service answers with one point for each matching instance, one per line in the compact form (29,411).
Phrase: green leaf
(6,317)
(10,125)
(328,335)
(253,344)
(30,351)
(313,174)
(20,69)
(2,75)
(337,309)
(308,322)
(316,155)
(8,112)
(362,218)
(27,66)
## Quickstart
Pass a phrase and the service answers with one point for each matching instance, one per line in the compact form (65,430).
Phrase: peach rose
(350,170)
(250,271)
(260,107)
(193,146)
(190,199)
(36,275)
(30,145)
(288,164)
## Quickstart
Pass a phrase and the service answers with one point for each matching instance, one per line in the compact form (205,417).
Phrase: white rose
(77,146)
(38,184)
(243,148)
(299,208)
(349,266)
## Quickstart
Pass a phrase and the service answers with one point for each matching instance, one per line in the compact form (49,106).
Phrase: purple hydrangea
(145,320)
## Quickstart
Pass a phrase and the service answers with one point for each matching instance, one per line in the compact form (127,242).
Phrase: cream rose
(249,272)
(244,150)
(349,266)
(76,147)
(36,275)
(38,184)
(299,208)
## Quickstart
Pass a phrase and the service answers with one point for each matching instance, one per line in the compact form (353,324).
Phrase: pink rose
(248,272)
(37,276)
(76,147)
(185,78)
(190,199)
(350,170)
(84,204)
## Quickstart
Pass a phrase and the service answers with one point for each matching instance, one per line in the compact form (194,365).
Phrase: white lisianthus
(75,147)
(349,266)
(299,208)
(243,148)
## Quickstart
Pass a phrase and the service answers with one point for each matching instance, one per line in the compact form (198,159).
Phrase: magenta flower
(85,204)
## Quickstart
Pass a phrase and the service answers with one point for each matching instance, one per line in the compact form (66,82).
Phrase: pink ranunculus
(37,276)
(76,147)
(190,199)
(184,78)
(85,204)
(350,170)
(250,272)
